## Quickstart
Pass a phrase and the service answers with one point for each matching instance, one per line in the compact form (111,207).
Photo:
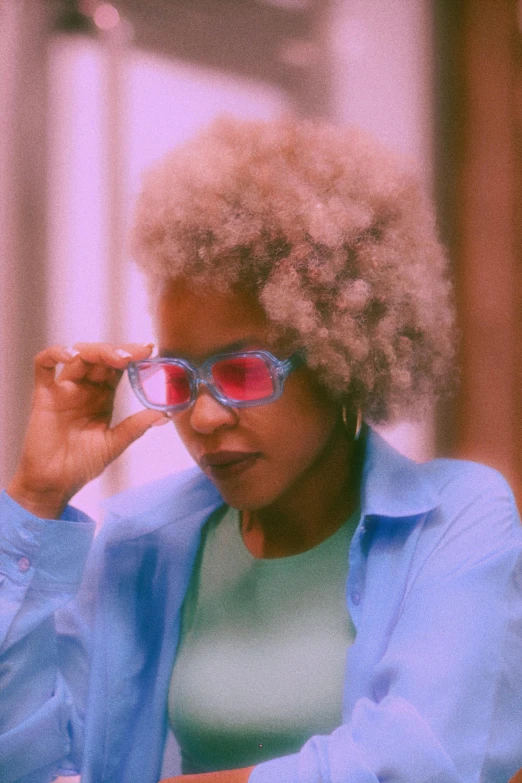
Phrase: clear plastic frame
(241,379)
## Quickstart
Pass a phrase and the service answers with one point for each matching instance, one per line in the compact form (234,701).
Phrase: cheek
(303,425)
(307,402)
(308,436)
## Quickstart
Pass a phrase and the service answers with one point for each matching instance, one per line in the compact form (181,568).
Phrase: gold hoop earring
(358,423)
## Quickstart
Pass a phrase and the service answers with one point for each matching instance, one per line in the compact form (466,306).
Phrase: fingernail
(146,345)
(123,354)
(164,420)
(72,352)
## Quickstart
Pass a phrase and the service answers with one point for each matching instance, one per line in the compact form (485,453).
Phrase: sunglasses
(240,379)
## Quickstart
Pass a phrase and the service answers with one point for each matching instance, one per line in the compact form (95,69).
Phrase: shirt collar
(188,496)
(393,485)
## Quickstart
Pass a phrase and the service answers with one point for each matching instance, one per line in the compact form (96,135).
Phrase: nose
(208,414)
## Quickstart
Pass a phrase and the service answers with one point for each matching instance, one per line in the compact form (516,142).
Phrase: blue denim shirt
(433,684)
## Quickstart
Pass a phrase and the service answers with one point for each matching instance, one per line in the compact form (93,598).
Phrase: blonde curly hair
(330,231)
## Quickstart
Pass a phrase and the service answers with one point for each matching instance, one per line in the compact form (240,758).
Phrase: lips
(226,464)
(224,458)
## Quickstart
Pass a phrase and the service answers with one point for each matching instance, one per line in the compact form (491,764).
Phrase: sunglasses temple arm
(292,363)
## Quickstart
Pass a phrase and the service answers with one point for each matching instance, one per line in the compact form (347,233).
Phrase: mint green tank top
(260,664)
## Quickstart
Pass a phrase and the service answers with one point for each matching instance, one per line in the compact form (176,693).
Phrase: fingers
(132,428)
(100,363)
(96,353)
(46,361)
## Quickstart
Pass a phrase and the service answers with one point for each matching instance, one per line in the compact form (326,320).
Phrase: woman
(306,604)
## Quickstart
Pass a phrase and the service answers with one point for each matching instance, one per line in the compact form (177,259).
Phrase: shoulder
(461,482)
(477,507)
(464,504)
(453,478)
(394,486)
(146,496)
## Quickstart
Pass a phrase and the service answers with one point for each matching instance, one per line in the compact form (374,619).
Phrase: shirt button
(356,598)
(24,564)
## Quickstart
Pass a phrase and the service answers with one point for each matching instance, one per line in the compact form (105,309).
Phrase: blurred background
(92,92)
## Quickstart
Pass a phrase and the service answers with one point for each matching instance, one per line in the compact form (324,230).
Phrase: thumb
(133,427)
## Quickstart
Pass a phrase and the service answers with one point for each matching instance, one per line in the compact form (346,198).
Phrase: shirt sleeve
(444,702)
(43,663)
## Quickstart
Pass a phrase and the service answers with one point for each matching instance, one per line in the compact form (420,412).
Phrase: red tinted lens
(243,378)
(165,384)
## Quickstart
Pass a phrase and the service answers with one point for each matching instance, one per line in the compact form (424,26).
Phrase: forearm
(41,561)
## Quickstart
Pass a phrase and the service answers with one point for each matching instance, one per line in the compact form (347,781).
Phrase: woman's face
(275,446)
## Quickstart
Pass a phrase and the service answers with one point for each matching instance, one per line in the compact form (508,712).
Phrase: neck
(312,509)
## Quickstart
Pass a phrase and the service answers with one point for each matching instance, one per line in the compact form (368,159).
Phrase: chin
(246,499)
(247,487)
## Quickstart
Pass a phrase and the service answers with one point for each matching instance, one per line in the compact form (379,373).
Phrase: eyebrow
(239,345)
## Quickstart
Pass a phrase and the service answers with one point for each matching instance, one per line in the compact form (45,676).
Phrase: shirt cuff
(51,550)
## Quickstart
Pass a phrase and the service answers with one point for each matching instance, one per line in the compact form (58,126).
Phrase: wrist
(47,504)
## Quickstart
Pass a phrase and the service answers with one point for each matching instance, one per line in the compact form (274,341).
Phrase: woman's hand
(69,440)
